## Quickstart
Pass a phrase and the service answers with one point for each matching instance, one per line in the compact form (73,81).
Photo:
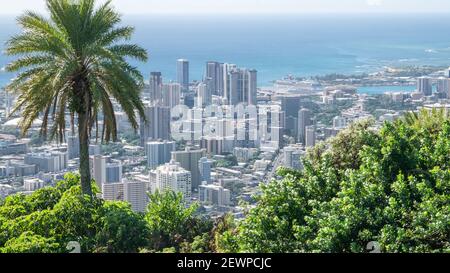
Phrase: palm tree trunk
(85,171)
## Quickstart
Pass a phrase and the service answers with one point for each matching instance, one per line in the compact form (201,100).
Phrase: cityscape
(301,163)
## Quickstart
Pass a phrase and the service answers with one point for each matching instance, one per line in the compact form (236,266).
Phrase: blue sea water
(301,45)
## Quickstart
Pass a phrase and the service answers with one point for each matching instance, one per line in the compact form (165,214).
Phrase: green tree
(122,230)
(74,60)
(28,242)
(390,186)
(170,220)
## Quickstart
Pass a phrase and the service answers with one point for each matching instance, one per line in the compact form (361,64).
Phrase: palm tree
(74,62)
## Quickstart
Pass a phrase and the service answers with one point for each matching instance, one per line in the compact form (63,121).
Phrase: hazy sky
(251,6)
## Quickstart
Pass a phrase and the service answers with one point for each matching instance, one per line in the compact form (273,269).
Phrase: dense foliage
(50,218)
(391,186)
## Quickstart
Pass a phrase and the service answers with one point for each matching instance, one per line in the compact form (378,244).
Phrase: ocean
(301,45)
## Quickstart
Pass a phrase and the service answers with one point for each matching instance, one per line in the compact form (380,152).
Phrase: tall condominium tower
(183,74)
(241,86)
(304,120)
(172,177)
(204,93)
(155,86)
(157,124)
(171,94)
(443,87)
(424,85)
(215,71)
(188,160)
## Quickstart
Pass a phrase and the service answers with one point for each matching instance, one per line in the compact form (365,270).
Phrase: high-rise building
(424,86)
(113,191)
(215,71)
(99,170)
(214,195)
(157,125)
(158,152)
(135,193)
(114,172)
(156,86)
(241,86)
(443,87)
(204,166)
(50,162)
(310,136)
(304,119)
(188,159)
(204,93)
(171,94)
(73,147)
(106,171)
(172,177)
(183,74)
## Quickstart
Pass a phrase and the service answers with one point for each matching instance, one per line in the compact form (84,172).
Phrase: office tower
(290,105)
(99,170)
(183,74)
(155,86)
(339,122)
(158,152)
(48,162)
(447,73)
(443,85)
(171,95)
(310,136)
(214,195)
(157,125)
(424,86)
(135,193)
(172,177)
(204,166)
(73,147)
(304,119)
(188,160)
(204,93)
(215,71)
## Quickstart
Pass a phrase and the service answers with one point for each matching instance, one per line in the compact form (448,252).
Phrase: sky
(251,6)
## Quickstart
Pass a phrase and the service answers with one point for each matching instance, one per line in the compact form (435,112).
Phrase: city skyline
(253,6)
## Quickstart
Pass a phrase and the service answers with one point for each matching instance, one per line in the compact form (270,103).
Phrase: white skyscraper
(171,94)
(99,170)
(135,193)
(172,177)
(158,152)
(310,136)
(424,86)
(183,73)
(204,93)
(443,87)
(304,119)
